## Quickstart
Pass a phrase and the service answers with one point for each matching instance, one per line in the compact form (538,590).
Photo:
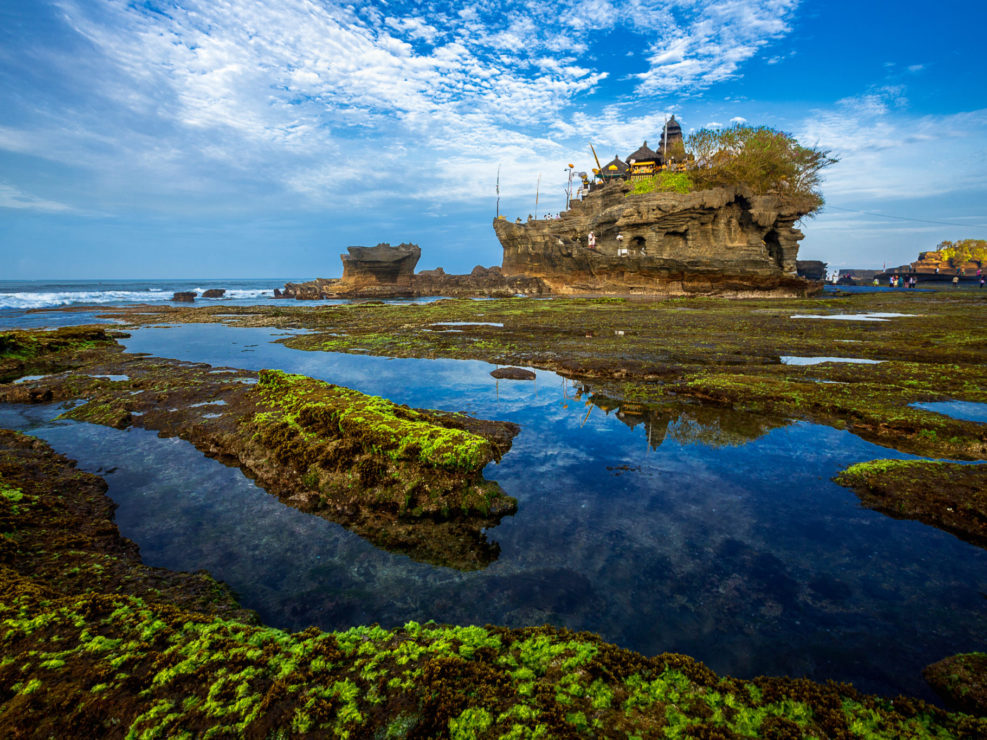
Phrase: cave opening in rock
(773,245)
(637,245)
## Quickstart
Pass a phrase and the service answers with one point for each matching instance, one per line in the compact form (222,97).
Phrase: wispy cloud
(13,197)
(304,98)
(707,42)
(886,152)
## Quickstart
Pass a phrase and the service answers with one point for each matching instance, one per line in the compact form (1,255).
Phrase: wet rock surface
(96,644)
(481,282)
(185,296)
(949,496)
(961,681)
(512,373)
(406,479)
(214,293)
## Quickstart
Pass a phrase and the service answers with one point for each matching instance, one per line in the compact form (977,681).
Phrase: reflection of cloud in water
(725,538)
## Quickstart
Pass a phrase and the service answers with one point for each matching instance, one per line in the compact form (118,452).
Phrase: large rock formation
(723,241)
(380,265)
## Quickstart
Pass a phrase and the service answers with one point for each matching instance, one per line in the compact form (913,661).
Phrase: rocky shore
(719,360)
(97,644)
(408,480)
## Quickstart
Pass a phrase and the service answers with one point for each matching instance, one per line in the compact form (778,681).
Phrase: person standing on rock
(621,250)
(591,240)
(956,280)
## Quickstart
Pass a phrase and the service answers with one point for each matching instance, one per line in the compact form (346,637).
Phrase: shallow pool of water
(701,531)
(966,410)
(874,316)
(793,360)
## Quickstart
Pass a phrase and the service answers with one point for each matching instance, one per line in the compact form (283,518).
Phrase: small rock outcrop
(214,293)
(723,241)
(185,296)
(380,265)
(811,269)
(512,373)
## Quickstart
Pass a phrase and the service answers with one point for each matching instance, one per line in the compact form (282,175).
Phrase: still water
(701,531)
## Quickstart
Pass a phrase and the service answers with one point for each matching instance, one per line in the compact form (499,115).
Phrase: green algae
(950,496)
(719,351)
(961,681)
(398,432)
(94,658)
(40,352)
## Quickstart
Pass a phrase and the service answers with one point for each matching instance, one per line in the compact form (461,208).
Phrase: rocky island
(723,241)
(719,220)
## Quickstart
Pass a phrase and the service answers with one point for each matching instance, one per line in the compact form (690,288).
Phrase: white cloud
(13,197)
(319,101)
(710,41)
(885,152)
(738,120)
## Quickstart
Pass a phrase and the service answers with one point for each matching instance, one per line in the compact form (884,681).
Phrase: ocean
(28,294)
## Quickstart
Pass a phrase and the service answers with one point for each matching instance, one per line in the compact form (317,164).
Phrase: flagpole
(498,191)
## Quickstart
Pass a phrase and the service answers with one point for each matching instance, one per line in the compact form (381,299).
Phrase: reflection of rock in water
(687,422)
(458,543)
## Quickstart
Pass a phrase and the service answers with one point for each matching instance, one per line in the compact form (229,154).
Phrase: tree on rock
(760,158)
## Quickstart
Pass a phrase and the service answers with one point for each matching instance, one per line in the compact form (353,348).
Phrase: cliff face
(722,241)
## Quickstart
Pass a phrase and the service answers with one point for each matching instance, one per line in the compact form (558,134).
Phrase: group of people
(897,281)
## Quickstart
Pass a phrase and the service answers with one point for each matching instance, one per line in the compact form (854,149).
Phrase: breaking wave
(53,299)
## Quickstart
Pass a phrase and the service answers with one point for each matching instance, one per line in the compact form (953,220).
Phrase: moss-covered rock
(961,680)
(950,496)
(42,352)
(93,643)
(409,480)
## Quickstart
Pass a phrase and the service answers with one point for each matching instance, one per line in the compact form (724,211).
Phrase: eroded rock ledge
(724,241)
(488,282)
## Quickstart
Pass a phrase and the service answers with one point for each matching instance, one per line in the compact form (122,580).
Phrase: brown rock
(214,293)
(811,269)
(380,265)
(719,241)
(186,296)
(961,681)
(512,373)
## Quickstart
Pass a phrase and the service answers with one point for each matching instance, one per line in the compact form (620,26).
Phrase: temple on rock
(646,162)
(613,170)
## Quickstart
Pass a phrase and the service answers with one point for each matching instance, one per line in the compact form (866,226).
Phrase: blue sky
(243,138)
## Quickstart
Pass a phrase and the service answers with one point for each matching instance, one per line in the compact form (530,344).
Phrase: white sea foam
(53,299)
(234,294)
(69,297)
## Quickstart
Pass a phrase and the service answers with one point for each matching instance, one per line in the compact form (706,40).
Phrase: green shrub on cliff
(964,250)
(764,160)
(665,182)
